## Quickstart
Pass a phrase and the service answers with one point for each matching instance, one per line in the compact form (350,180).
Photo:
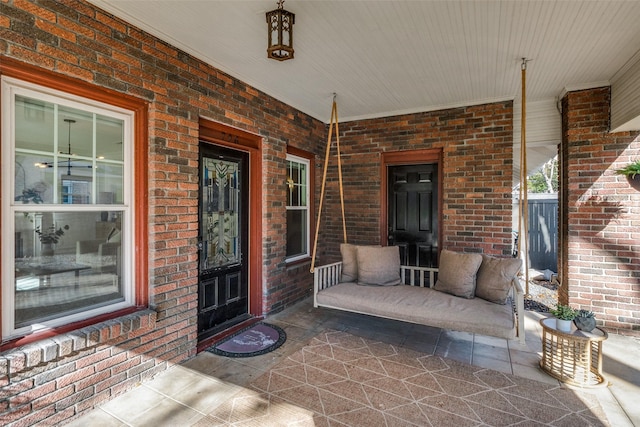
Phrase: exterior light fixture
(280,29)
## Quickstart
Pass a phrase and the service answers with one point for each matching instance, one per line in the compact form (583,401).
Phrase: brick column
(600,214)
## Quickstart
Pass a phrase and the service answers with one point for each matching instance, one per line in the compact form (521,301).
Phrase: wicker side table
(572,357)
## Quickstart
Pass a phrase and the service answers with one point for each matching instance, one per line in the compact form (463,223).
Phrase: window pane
(295,173)
(109,138)
(295,196)
(303,195)
(303,174)
(303,185)
(296,232)
(75,132)
(65,263)
(34,125)
(75,189)
(290,182)
(110,179)
(33,184)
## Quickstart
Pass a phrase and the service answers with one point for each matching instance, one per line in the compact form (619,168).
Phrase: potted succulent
(585,320)
(632,172)
(564,317)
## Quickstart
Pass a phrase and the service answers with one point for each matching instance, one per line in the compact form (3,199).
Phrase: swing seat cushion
(424,306)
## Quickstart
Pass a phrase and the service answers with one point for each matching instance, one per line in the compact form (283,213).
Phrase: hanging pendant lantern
(280,29)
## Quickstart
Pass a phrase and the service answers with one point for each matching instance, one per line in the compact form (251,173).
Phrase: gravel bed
(543,296)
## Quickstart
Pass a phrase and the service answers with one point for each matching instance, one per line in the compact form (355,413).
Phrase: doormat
(257,339)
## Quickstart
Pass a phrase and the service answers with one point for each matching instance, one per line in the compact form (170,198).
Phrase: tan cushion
(457,273)
(349,262)
(378,265)
(425,306)
(495,276)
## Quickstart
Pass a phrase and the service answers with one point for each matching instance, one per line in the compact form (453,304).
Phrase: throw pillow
(378,265)
(349,262)
(457,273)
(494,278)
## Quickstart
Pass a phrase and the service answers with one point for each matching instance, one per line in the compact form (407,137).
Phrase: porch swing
(370,280)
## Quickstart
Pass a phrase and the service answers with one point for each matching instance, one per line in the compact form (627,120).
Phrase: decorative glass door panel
(220,198)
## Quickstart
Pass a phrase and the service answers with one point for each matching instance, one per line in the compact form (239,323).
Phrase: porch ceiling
(384,58)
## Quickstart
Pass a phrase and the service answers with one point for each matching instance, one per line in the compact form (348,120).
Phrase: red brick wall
(601,233)
(75,39)
(477,144)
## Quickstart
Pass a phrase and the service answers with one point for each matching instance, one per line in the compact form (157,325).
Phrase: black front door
(413,213)
(223,248)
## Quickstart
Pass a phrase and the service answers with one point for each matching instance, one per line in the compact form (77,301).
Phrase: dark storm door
(223,220)
(413,213)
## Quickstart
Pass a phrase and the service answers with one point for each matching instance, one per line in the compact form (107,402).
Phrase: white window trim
(9,88)
(306,208)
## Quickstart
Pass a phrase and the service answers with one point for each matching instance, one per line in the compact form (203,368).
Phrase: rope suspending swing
(523,202)
(333,120)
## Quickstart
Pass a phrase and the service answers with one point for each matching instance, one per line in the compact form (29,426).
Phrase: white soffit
(384,58)
(625,98)
(628,126)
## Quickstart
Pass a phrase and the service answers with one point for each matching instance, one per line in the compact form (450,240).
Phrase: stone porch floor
(184,394)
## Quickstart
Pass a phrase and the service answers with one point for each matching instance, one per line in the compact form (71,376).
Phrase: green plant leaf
(631,170)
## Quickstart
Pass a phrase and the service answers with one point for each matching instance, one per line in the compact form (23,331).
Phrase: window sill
(55,348)
(298,263)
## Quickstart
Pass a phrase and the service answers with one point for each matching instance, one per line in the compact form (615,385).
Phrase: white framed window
(298,215)
(67,208)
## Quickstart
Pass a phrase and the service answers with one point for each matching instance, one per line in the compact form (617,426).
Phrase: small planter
(585,320)
(632,172)
(586,324)
(564,315)
(563,325)
(634,181)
